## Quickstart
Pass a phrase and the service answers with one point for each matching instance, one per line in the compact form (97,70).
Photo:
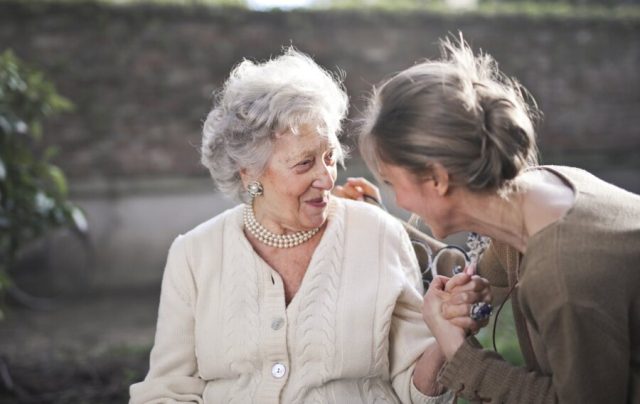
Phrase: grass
(497,8)
(97,380)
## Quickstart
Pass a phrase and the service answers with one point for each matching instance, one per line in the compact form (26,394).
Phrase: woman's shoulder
(366,213)
(205,231)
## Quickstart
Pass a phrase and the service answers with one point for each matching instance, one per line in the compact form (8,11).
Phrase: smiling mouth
(320,202)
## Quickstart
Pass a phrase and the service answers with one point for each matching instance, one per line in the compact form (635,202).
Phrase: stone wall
(142,77)
(142,80)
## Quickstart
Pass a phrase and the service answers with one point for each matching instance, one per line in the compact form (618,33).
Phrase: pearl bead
(272,239)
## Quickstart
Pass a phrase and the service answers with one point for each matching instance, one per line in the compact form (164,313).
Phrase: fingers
(470,269)
(338,190)
(464,283)
(452,311)
(461,297)
(470,297)
(468,324)
(366,187)
(348,192)
(438,283)
(459,315)
(457,281)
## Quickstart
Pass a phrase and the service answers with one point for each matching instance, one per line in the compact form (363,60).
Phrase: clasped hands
(448,301)
(447,305)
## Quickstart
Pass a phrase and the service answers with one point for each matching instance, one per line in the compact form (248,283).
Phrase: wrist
(450,345)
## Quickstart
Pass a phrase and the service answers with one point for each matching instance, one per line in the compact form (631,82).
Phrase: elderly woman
(295,296)
(455,141)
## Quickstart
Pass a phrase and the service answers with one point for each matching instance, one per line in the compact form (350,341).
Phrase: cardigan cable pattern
(319,304)
(351,335)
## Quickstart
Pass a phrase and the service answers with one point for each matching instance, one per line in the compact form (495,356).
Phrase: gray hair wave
(260,101)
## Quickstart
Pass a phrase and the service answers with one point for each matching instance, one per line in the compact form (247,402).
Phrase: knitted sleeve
(173,373)
(409,335)
(479,374)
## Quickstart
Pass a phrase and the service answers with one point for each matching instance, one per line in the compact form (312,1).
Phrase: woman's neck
(540,198)
(501,218)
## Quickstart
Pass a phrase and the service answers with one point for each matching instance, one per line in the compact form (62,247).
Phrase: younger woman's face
(418,196)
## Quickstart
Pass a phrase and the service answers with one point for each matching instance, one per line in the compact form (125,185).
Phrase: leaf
(79,220)
(34,192)
(59,180)
(43,203)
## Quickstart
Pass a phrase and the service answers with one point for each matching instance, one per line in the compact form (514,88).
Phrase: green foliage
(569,9)
(212,3)
(33,192)
(506,337)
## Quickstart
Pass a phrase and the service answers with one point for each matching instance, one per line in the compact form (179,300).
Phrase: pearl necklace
(271,239)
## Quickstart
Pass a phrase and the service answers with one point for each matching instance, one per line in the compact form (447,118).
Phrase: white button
(277,323)
(278,370)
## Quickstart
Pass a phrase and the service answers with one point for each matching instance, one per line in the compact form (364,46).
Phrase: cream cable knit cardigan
(352,333)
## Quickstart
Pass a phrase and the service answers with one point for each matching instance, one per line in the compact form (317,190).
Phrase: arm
(173,374)
(588,357)
(478,374)
(586,346)
(414,356)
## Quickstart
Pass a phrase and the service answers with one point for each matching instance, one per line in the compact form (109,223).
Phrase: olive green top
(576,306)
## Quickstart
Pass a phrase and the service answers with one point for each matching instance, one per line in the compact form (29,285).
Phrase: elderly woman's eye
(331,157)
(304,163)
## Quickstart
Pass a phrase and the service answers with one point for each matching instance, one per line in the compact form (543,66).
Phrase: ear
(244,176)
(440,179)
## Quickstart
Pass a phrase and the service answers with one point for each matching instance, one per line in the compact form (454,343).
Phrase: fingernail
(471,269)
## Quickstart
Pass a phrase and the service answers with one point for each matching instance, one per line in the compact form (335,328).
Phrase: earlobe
(440,179)
(244,177)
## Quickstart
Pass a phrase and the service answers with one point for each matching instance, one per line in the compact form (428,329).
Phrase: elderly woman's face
(298,181)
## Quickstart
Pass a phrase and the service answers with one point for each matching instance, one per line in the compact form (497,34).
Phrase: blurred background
(113,96)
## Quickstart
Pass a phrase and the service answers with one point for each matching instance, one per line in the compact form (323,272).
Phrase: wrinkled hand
(464,290)
(449,336)
(447,304)
(356,189)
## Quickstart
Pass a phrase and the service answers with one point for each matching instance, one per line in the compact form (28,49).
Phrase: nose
(325,178)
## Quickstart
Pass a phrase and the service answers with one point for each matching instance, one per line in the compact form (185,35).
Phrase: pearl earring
(255,189)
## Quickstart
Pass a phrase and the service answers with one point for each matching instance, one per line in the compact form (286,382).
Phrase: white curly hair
(260,101)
